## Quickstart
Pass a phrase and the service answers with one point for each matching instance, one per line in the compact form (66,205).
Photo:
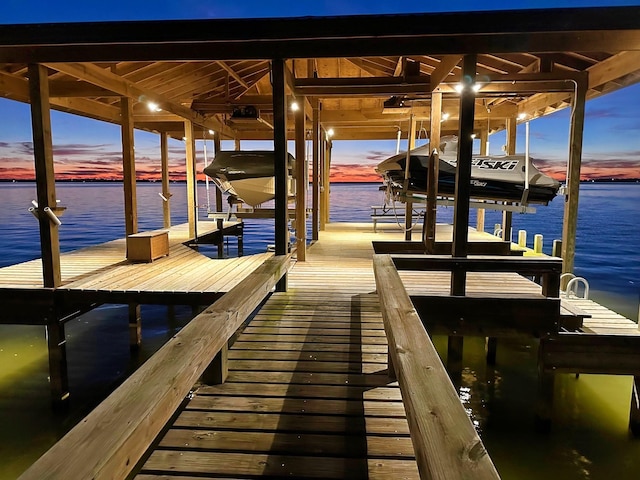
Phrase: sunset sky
(89,149)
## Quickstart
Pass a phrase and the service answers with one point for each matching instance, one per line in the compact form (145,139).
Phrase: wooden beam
(613,68)
(576,134)
(444,440)
(278,75)
(362,65)
(45,175)
(302,180)
(356,86)
(164,161)
(326,192)
(433,171)
(442,71)
(408,207)
(192,184)
(463,172)
(129,168)
(103,78)
(315,201)
(233,74)
(608,29)
(66,88)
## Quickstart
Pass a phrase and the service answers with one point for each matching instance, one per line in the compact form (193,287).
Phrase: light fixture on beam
(153,107)
(395,105)
(444,117)
(330,133)
(294,106)
(475,87)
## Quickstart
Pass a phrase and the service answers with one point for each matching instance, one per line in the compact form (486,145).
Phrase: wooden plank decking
(98,259)
(308,394)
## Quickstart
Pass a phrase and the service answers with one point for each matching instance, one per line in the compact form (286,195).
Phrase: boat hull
(248,176)
(492,178)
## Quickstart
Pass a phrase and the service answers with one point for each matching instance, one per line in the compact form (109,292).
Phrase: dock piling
(135,326)
(634,414)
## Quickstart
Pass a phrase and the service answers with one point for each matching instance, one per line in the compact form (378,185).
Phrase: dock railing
(109,442)
(445,442)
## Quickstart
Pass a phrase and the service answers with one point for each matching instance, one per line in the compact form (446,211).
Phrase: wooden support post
(507,216)
(302,180)
(164,159)
(280,149)
(634,414)
(491,349)
(570,223)
(58,374)
(236,145)
(429,227)
(544,402)
(323,179)
(190,156)
(135,326)
(218,370)
(463,172)
(327,182)
(408,206)
(544,405)
(45,177)
(315,202)
(216,149)
(455,346)
(240,237)
(480,220)
(129,167)
(484,150)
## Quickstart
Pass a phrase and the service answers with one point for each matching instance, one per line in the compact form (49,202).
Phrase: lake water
(589,439)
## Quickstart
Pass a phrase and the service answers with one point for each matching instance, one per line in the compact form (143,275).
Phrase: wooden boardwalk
(102,274)
(96,260)
(308,394)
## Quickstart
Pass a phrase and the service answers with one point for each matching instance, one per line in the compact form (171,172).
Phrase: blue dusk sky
(86,148)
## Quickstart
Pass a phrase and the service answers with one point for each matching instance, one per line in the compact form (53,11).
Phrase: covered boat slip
(340,70)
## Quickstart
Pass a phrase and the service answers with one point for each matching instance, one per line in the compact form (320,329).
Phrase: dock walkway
(308,395)
(308,392)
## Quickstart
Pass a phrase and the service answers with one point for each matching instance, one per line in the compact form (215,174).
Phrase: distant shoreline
(610,180)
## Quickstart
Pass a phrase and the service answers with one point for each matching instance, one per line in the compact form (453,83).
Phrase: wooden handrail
(445,442)
(108,443)
(549,268)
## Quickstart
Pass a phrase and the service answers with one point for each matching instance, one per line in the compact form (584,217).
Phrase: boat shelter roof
(368,73)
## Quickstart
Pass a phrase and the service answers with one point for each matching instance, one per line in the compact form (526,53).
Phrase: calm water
(589,439)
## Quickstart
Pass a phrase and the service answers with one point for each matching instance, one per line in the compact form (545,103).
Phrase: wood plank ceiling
(351,89)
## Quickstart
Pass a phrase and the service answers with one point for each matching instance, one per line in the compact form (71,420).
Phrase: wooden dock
(605,343)
(102,274)
(308,394)
(305,389)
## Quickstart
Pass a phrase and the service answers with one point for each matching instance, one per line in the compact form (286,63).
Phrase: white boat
(500,178)
(248,175)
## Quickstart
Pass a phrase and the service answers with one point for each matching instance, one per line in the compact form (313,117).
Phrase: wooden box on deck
(147,246)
